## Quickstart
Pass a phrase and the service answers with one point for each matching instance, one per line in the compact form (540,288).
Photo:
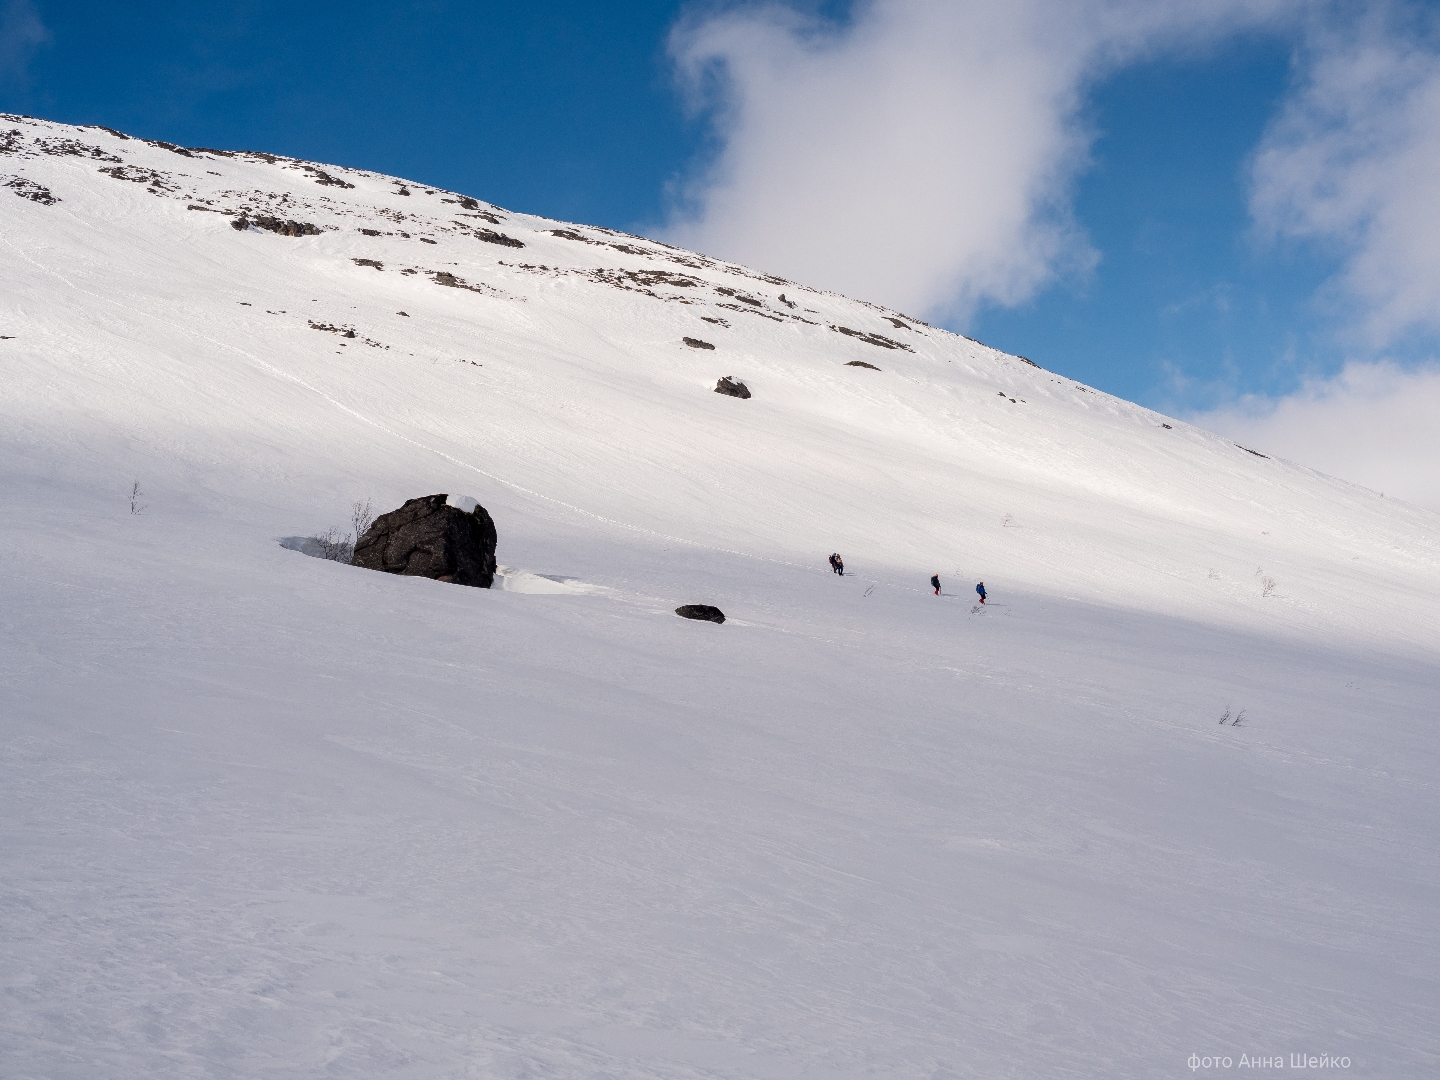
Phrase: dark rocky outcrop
(704,612)
(490,236)
(872,339)
(862,363)
(732,386)
(696,343)
(275,225)
(28,189)
(444,537)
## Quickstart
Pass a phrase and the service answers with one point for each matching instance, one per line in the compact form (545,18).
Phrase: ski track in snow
(266,815)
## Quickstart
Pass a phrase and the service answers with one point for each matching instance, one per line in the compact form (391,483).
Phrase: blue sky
(1154,254)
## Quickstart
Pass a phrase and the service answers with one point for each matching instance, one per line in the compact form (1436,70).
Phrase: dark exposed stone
(429,538)
(324,179)
(276,225)
(170,146)
(376,263)
(861,363)
(732,386)
(696,343)
(872,339)
(490,236)
(703,612)
(28,189)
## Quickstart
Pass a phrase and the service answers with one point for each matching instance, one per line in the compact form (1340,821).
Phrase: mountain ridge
(1171,791)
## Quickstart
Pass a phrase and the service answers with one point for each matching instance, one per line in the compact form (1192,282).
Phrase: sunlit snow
(272,816)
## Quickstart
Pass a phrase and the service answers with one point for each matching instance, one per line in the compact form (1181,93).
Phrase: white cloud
(1353,162)
(1374,424)
(21,35)
(923,154)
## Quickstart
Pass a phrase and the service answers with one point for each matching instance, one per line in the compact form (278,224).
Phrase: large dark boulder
(700,611)
(445,537)
(732,386)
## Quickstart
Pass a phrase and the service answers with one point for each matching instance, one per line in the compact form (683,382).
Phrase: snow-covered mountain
(268,815)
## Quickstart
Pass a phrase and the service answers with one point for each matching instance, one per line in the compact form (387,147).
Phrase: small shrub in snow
(1267,586)
(335,545)
(361,515)
(136,507)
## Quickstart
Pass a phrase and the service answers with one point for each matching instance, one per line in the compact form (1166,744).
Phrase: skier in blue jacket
(981,590)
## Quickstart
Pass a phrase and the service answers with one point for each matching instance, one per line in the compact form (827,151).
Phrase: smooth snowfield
(266,815)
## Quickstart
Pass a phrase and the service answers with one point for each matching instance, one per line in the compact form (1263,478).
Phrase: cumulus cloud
(1374,424)
(1353,162)
(21,36)
(921,154)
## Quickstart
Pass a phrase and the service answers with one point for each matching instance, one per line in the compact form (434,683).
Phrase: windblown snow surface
(266,815)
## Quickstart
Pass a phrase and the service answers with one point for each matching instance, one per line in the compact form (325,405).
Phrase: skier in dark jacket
(981,590)
(837,564)
(935,583)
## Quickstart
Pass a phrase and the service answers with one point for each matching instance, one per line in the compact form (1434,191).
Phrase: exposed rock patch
(28,189)
(450,281)
(490,236)
(324,179)
(862,363)
(703,612)
(73,148)
(696,343)
(733,387)
(158,182)
(276,225)
(872,339)
(442,537)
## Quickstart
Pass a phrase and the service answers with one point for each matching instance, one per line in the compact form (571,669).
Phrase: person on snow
(837,564)
(981,590)
(935,583)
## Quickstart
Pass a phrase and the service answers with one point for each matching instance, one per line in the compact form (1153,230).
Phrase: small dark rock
(369,262)
(1166,427)
(696,343)
(490,236)
(732,386)
(704,612)
(862,363)
(430,537)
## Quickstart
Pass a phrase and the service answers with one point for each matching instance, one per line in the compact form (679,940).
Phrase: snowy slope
(267,815)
